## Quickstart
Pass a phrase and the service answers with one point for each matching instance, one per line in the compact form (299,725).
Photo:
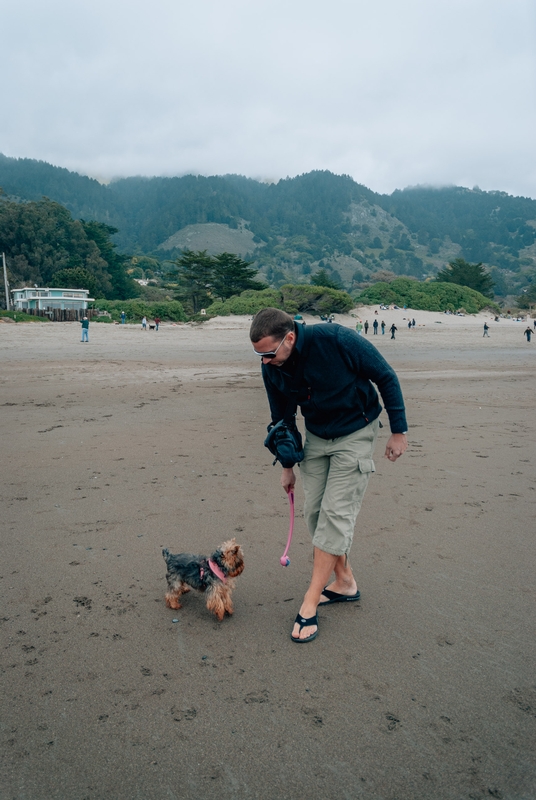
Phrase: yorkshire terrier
(211,574)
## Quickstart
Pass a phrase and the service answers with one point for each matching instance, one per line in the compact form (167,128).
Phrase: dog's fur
(186,571)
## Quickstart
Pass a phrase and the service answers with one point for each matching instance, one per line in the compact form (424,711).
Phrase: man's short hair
(270,322)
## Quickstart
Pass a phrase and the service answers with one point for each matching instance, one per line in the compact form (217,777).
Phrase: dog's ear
(237,550)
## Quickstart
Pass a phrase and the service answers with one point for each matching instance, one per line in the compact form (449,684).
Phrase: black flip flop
(304,623)
(335,597)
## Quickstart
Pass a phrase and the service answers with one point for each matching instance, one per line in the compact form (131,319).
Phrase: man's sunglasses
(273,353)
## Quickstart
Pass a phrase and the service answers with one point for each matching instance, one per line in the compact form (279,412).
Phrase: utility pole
(6,285)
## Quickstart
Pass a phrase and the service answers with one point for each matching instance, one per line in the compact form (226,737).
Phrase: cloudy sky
(392,92)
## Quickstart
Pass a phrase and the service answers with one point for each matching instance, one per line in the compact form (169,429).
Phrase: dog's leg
(227,599)
(173,594)
(215,602)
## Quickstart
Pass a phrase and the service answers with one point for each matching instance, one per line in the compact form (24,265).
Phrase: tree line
(299,222)
(44,245)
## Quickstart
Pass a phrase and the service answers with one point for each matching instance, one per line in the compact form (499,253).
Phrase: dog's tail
(166,554)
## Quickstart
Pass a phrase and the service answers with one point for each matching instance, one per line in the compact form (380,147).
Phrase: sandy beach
(111,450)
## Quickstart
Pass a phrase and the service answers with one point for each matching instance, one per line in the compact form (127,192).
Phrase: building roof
(48,289)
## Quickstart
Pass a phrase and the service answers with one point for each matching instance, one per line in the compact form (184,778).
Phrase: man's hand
(396,446)
(288,479)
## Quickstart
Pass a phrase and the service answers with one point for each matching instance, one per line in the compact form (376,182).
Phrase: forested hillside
(45,245)
(298,226)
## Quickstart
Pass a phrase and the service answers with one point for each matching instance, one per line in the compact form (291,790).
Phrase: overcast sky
(391,92)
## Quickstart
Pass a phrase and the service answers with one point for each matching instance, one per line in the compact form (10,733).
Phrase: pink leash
(285,560)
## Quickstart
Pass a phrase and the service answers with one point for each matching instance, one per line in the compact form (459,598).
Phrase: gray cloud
(393,93)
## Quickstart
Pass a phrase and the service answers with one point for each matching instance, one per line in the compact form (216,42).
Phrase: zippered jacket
(336,395)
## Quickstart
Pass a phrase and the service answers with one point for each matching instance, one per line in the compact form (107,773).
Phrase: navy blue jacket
(336,395)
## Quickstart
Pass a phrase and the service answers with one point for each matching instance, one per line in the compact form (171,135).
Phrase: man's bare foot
(337,590)
(307,632)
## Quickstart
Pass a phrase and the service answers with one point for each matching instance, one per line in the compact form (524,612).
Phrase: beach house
(48,300)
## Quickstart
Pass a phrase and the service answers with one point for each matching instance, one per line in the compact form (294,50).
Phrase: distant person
(359,327)
(157,321)
(85,330)
(375,326)
(413,323)
(123,317)
(393,330)
(383,326)
(144,324)
(486,329)
(366,327)
(535,324)
(409,325)
(528,333)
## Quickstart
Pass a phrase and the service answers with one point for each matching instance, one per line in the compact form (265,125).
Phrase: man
(85,330)
(486,329)
(341,409)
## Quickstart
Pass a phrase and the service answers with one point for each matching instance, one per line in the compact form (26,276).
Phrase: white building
(48,299)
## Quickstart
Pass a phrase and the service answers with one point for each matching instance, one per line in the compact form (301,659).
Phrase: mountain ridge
(299,225)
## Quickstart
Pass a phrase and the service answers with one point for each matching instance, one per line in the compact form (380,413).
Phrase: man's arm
(278,404)
(276,398)
(370,364)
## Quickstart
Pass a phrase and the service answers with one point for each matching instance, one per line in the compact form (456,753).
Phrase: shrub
(315,299)
(20,316)
(138,308)
(249,303)
(303,297)
(428,296)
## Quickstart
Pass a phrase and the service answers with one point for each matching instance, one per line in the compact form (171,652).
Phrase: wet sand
(136,441)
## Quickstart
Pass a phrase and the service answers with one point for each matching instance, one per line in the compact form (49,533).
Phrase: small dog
(211,574)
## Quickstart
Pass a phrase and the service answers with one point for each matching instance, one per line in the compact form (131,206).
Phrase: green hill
(295,227)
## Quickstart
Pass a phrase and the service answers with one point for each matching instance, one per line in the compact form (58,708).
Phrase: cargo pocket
(366,465)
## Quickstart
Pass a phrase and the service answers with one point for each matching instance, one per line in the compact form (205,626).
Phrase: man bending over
(341,410)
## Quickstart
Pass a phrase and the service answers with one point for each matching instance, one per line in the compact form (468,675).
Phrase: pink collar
(216,570)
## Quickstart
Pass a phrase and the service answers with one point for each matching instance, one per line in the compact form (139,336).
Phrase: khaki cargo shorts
(335,474)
